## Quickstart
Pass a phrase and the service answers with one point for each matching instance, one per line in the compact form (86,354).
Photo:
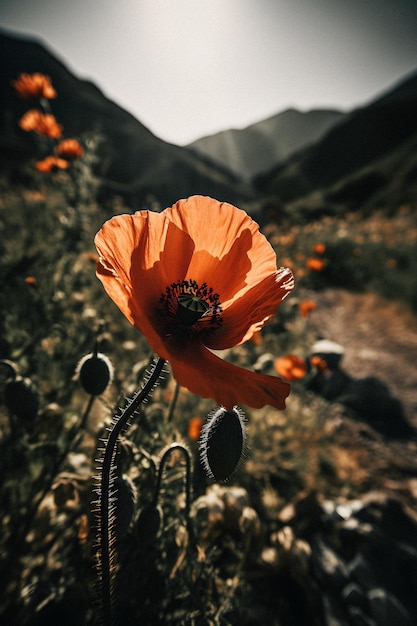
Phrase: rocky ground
(379,338)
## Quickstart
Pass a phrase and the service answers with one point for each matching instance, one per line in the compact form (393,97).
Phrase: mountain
(321,162)
(255,149)
(132,162)
(367,159)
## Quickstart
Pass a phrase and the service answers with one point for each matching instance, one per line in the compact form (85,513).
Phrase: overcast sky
(189,68)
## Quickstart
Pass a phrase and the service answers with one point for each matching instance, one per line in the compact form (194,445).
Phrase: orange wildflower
(30,280)
(69,149)
(291,367)
(306,306)
(195,278)
(51,163)
(319,248)
(194,428)
(315,264)
(319,363)
(41,123)
(34,87)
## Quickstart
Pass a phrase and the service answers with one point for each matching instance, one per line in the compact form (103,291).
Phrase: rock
(354,596)
(372,401)
(329,568)
(328,350)
(330,385)
(334,615)
(264,362)
(385,608)
(368,398)
(360,571)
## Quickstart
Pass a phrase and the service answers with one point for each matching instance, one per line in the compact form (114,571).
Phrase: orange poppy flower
(69,149)
(319,248)
(34,87)
(316,265)
(41,123)
(306,306)
(195,278)
(51,163)
(291,367)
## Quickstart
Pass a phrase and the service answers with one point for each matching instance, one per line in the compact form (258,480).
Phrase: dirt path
(379,338)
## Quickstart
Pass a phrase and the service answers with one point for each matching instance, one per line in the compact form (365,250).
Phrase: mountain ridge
(359,162)
(132,162)
(256,148)
(361,158)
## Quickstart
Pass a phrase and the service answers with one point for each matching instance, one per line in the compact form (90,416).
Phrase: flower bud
(94,372)
(148,523)
(222,442)
(21,399)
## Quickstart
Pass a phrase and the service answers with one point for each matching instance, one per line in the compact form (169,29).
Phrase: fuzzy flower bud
(222,442)
(94,372)
(21,399)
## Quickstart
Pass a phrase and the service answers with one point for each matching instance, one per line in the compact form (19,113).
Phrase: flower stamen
(191,307)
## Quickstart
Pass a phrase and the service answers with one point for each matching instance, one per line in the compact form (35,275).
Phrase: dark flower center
(191,308)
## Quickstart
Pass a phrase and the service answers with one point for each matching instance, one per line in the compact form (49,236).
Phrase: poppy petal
(232,241)
(138,260)
(248,314)
(209,376)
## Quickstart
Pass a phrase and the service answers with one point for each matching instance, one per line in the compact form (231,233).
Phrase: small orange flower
(306,306)
(195,278)
(319,248)
(30,280)
(291,367)
(34,87)
(51,163)
(194,428)
(41,123)
(69,149)
(319,363)
(317,265)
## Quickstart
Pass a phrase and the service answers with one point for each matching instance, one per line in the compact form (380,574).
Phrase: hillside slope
(133,162)
(368,154)
(255,149)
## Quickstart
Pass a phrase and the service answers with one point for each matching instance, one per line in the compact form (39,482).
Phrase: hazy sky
(188,68)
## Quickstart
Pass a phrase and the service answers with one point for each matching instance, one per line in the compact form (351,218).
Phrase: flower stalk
(106,494)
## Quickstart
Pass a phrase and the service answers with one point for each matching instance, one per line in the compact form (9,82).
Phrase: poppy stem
(185,453)
(106,495)
(87,410)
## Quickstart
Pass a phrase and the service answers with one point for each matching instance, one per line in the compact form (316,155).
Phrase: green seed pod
(94,372)
(223,442)
(21,399)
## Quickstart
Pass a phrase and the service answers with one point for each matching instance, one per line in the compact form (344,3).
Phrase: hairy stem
(185,453)
(106,531)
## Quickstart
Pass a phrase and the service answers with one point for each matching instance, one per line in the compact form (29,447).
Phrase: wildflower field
(299,516)
(244,551)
